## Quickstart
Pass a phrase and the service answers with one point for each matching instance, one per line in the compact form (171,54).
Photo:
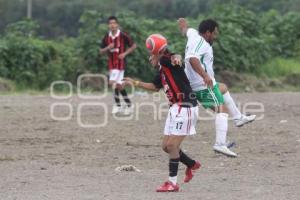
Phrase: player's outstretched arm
(140,84)
(183,26)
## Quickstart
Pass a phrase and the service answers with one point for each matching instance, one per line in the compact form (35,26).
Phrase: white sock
(233,110)
(221,128)
(173,179)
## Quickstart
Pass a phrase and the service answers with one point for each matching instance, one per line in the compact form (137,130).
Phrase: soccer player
(199,70)
(183,112)
(117,44)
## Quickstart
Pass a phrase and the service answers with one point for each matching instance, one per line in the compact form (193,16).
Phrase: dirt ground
(41,158)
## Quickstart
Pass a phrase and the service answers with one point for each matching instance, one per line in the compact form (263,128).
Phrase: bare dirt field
(41,158)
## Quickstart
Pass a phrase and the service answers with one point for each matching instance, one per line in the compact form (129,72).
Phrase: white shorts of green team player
(199,70)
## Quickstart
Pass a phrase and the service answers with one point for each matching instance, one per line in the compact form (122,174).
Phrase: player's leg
(178,125)
(117,106)
(232,109)
(221,122)
(127,110)
(221,125)
(171,145)
(168,186)
(191,164)
(213,99)
(113,75)
(125,97)
(117,96)
(239,119)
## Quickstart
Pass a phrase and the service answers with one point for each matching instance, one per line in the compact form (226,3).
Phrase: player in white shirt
(199,69)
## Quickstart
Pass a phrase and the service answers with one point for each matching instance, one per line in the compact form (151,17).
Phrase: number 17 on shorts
(181,121)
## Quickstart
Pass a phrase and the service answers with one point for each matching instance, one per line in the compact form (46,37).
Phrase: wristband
(136,83)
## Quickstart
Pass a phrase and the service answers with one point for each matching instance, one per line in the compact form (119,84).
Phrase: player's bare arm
(176,59)
(183,25)
(199,69)
(140,84)
(128,51)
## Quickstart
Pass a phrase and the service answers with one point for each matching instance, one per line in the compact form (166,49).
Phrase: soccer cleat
(244,120)
(168,187)
(127,110)
(116,109)
(224,150)
(230,144)
(190,171)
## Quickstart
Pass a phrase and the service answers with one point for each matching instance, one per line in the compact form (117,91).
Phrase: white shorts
(181,121)
(116,75)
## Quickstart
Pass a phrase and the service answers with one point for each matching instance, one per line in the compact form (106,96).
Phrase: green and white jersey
(197,47)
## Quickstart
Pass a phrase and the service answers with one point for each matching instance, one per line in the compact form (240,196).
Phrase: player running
(183,112)
(200,72)
(117,44)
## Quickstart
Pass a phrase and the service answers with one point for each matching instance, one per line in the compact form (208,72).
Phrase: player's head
(113,23)
(156,44)
(209,30)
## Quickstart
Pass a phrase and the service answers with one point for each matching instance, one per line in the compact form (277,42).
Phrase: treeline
(246,41)
(61,17)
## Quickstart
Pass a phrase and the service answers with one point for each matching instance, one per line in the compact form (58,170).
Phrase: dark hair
(112,18)
(207,25)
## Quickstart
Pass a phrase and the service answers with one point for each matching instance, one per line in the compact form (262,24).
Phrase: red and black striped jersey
(121,41)
(175,83)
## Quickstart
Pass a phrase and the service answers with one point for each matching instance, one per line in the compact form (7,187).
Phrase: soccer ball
(155,43)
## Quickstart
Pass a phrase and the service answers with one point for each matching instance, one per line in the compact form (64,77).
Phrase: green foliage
(247,40)
(88,42)
(26,28)
(33,62)
(60,17)
(279,67)
(281,32)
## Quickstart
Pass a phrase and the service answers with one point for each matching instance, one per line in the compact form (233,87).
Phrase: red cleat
(168,187)
(189,172)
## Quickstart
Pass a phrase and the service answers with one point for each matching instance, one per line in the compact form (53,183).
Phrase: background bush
(247,41)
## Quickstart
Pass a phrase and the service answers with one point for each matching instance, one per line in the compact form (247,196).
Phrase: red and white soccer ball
(155,43)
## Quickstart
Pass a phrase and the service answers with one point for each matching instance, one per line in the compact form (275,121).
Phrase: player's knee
(112,83)
(222,109)
(164,148)
(223,88)
(171,147)
(118,86)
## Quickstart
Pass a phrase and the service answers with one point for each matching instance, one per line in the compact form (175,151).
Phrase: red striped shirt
(121,43)
(175,83)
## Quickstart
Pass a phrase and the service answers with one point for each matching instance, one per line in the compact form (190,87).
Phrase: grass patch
(280,67)
(7,85)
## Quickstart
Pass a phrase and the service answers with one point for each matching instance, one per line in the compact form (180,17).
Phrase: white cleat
(116,109)
(224,150)
(127,110)
(244,120)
